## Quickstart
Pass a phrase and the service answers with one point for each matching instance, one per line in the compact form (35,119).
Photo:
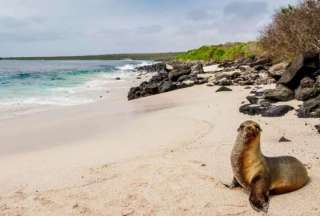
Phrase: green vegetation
(218,53)
(133,56)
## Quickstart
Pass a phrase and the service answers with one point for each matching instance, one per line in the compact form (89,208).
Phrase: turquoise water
(57,82)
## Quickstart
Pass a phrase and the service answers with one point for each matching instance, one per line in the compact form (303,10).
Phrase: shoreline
(106,85)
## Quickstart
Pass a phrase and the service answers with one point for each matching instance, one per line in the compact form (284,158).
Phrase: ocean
(30,84)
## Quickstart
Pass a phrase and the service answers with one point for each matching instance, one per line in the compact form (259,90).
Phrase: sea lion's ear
(240,128)
(259,128)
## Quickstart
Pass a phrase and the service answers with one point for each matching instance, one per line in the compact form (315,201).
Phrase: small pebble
(283,139)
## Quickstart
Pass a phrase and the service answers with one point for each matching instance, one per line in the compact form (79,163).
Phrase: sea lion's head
(249,130)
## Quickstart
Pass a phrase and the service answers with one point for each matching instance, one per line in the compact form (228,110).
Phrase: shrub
(294,30)
(218,53)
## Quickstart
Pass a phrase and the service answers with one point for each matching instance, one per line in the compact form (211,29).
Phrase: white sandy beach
(162,155)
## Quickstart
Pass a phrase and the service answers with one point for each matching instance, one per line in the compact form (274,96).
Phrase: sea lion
(261,175)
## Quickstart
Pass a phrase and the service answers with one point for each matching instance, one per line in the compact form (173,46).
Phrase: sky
(80,27)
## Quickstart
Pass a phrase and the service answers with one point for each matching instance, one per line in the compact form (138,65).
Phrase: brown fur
(261,175)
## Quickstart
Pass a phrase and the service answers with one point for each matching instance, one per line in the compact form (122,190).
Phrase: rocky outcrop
(300,80)
(304,65)
(169,77)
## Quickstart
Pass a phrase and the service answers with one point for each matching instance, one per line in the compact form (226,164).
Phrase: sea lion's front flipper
(234,184)
(259,195)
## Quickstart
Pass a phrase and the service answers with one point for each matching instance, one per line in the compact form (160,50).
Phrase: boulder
(304,65)
(133,93)
(188,83)
(257,93)
(182,78)
(151,89)
(261,62)
(277,111)
(245,68)
(166,86)
(201,81)
(280,93)
(169,67)
(246,82)
(304,94)
(265,103)
(259,68)
(225,82)
(253,99)
(197,69)
(277,70)
(252,109)
(317,127)
(152,68)
(306,89)
(223,88)
(206,76)
(307,82)
(176,73)
(310,108)
(265,109)
(210,84)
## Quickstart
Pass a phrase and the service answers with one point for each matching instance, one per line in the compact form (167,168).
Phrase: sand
(163,155)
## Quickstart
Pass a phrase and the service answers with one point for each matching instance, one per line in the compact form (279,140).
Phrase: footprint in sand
(44,201)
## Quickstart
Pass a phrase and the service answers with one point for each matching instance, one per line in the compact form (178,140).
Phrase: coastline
(162,155)
(36,86)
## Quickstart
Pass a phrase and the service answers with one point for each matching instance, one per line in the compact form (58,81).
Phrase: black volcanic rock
(280,93)
(307,89)
(310,108)
(266,110)
(277,111)
(223,88)
(283,139)
(153,68)
(253,99)
(304,65)
(277,70)
(167,86)
(252,109)
(175,74)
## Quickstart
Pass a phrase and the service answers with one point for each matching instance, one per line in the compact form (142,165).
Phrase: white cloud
(75,27)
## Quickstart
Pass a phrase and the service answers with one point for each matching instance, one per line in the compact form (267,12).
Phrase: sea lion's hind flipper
(259,194)
(234,184)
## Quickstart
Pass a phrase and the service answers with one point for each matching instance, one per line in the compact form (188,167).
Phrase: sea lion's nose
(251,129)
